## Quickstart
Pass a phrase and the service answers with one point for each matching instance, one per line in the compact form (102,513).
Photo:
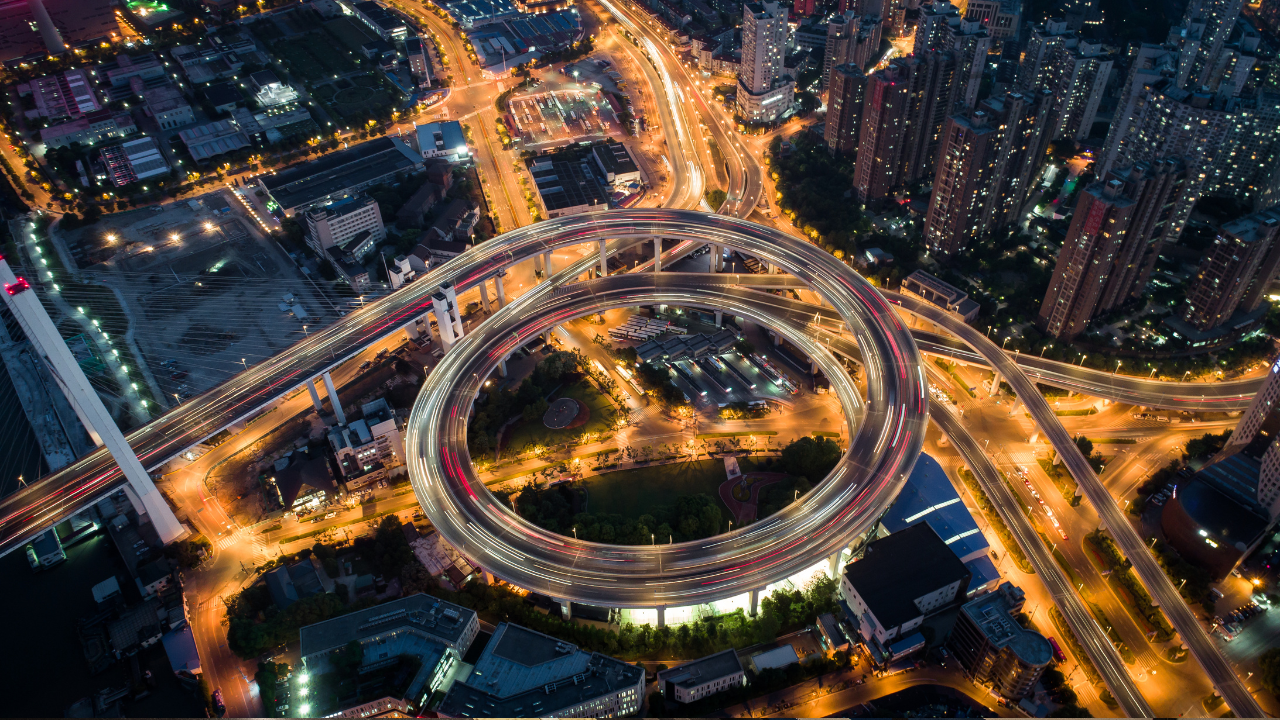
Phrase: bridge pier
(333,399)
(566,610)
(497,288)
(755,601)
(835,564)
(484,296)
(502,367)
(315,396)
(455,312)
(604,260)
(42,333)
(995,383)
(443,321)
(657,254)
(719,317)
(546,264)
(662,616)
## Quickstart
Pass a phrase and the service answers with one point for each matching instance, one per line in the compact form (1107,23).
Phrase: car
(330,516)
(179,375)
(366,364)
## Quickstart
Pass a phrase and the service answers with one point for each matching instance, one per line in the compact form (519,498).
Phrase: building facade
(339,223)
(765,92)
(994,649)
(844,109)
(702,678)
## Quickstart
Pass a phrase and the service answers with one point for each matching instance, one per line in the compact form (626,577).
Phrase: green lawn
(635,492)
(527,434)
(350,33)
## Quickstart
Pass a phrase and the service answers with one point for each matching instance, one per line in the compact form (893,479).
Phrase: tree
(810,457)
(347,659)
(1269,668)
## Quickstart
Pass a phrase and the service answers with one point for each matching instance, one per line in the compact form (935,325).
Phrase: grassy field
(350,33)
(632,493)
(527,434)
(304,57)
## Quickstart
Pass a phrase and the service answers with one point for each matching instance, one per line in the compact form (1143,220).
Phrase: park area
(645,491)
(528,434)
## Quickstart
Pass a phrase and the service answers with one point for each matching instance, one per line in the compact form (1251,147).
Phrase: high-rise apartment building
(1206,27)
(943,29)
(1000,17)
(853,39)
(1111,245)
(844,109)
(1037,58)
(986,164)
(890,97)
(765,91)
(965,180)
(1080,71)
(1234,273)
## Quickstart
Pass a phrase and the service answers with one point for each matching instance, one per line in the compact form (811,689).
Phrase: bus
(1057,651)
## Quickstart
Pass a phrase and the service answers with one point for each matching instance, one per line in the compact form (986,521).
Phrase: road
(1162,591)
(882,449)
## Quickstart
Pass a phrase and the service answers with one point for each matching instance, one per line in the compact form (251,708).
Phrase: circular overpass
(882,449)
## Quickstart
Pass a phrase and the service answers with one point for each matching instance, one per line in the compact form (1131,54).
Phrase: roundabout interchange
(884,444)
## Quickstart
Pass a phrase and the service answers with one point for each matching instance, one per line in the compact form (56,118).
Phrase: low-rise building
(615,163)
(442,140)
(288,584)
(419,59)
(566,184)
(373,442)
(702,677)
(353,224)
(339,174)
(412,213)
(213,139)
(164,103)
(62,96)
(90,129)
(434,634)
(456,223)
(900,580)
(134,160)
(126,67)
(924,286)
(994,649)
(223,97)
(523,673)
(269,91)
(385,24)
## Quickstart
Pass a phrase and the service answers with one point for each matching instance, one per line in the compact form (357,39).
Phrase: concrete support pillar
(546,263)
(995,383)
(334,400)
(502,367)
(813,368)
(488,577)
(714,253)
(657,254)
(834,568)
(315,396)
(566,610)
(662,616)
(777,340)
(719,317)
(497,288)
(719,259)
(455,312)
(484,297)
(604,260)
(537,264)
(443,323)
(755,601)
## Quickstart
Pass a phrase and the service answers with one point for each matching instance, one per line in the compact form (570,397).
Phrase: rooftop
(991,613)
(523,673)
(897,569)
(358,165)
(420,613)
(930,496)
(702,670)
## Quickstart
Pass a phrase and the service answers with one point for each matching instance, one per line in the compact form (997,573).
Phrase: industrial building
(442,140)
(339,174)
(900,580)
(566,184)
(133,161)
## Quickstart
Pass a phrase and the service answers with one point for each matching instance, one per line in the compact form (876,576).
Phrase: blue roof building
(930,497)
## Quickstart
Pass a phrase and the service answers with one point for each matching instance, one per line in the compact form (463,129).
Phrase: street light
(242,362)
(304,331)
(1118,364)
(1082,359)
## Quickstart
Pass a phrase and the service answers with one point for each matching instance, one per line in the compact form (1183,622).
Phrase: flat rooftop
(703,670)
(423,613)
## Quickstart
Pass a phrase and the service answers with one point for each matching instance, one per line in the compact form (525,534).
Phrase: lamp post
(242,362)
(1118,364)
